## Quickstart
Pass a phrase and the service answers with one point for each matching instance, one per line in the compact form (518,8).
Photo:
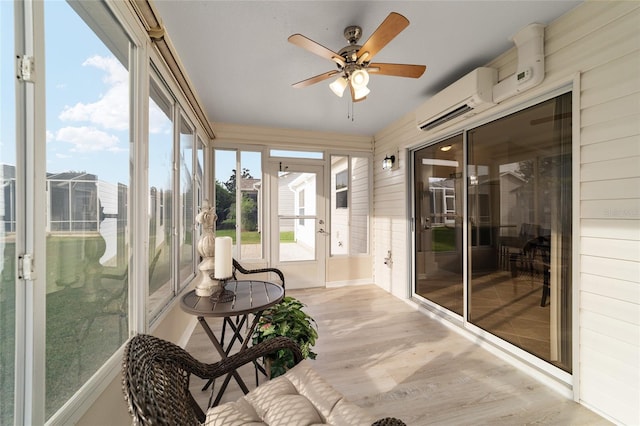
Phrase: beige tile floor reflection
(391,360)
(506,306)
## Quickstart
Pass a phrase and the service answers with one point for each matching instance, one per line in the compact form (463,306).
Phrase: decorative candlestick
(223,268)
(205,284)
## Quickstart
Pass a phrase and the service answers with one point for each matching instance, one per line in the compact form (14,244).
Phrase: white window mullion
(139,194)
(30,203)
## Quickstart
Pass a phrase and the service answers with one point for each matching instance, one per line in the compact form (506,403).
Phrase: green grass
(286,237)
(252,237)
(247,237)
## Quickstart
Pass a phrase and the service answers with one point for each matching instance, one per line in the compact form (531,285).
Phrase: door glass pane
(226,194)
(438,232)
(297,215)
(7,213)
(87,151)
(160,197)
(251,211)
(520,214)
(187,225)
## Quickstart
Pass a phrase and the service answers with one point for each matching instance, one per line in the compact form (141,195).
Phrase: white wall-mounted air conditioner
(466,97)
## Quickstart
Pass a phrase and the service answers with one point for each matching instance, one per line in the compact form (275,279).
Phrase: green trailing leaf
(288,319)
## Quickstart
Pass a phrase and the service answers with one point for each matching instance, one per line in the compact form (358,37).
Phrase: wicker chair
(156,373)
(234,322)
(155,377)
(237,267)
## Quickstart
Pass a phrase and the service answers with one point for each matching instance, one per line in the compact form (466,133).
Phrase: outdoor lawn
(252,237)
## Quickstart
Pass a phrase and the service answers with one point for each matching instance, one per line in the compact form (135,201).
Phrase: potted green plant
(286,319)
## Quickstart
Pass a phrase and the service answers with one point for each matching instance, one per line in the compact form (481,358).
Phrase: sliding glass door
(520,209)
(439,189)
(518,214)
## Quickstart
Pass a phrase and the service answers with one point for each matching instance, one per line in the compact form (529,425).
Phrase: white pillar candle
(224,256)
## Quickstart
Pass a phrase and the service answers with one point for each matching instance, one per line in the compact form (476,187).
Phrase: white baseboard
(334,284)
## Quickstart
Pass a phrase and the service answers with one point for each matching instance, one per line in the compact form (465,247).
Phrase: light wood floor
(393,361)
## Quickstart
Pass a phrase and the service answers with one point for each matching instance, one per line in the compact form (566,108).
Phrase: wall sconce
(388,162)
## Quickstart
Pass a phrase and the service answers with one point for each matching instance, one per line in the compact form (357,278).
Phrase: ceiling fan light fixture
(360,79)
(339,85)
(360,92)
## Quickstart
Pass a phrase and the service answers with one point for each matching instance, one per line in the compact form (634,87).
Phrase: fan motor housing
(353,33)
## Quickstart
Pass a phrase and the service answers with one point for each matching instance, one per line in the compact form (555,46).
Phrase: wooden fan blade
(313,47)
(314,80)
(397,70)
(387,31)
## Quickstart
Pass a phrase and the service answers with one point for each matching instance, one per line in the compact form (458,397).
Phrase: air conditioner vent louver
(450,116)
(467,96)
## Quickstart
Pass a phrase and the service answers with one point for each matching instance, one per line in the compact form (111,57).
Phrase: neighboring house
(304,203)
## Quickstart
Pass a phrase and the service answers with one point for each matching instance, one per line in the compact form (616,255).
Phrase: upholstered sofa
(299,397)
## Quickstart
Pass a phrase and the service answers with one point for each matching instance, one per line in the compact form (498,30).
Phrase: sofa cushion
(300,397)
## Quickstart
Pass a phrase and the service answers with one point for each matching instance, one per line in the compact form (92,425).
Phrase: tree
(224,201)
(249,214)
(231,183)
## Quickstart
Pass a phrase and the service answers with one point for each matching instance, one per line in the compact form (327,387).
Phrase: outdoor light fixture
(387,163)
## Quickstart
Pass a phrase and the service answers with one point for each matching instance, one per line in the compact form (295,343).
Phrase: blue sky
(86,98)
(86,103)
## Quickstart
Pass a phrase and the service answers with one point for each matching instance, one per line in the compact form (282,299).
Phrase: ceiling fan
(354,61)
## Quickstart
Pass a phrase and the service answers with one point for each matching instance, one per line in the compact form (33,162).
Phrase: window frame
(30,201)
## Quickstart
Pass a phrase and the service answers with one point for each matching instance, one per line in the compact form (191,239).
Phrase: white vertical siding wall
(601,42)
(360,205)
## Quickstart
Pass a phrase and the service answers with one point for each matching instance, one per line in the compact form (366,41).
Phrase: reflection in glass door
(299,229)
(520,215)
(438,223)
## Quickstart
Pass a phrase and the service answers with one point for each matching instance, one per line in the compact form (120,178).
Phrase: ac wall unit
(466,97)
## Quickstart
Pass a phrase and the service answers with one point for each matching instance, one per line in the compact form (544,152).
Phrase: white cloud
(111,110)
(88,139)
(63,156)
(158,121)
(49,136)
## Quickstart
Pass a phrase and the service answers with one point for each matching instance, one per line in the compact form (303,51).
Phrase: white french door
(298,227)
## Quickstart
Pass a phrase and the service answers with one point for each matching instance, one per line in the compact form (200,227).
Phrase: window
(342,190)
(160,195)
(88,163)
(313,155)
(186,253)
(350,204)
(7,213)
(239,200)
